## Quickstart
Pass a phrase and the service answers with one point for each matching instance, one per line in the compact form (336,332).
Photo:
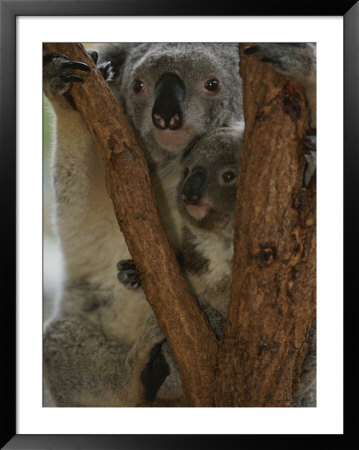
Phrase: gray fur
(86,368)
(193,63)
(100,337)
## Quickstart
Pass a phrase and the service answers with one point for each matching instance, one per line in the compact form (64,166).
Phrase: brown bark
(128,183)
(273,288)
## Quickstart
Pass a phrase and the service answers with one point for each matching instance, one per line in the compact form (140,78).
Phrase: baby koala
(206,196)
(206,199)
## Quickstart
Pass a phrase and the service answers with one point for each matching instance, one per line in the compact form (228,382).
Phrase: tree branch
(192,342)
(273,288)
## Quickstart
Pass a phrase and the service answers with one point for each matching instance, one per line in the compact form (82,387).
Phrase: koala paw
(108,69)
(310,155)
(128,275)
(58,75)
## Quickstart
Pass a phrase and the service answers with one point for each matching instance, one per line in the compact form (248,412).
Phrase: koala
(102,347)
(206,196)
(298,62)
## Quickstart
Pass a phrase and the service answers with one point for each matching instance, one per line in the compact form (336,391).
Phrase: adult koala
(102,347)
(174,93)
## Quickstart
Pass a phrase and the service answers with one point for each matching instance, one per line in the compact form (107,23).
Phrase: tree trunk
(274,273)
(192,341)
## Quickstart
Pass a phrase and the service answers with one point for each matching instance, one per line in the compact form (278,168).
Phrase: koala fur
(102,335)
(202,109)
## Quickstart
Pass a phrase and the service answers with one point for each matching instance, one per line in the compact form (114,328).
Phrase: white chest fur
(214,284)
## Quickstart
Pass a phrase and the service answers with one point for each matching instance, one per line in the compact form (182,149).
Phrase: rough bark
(128,183)
(274,273)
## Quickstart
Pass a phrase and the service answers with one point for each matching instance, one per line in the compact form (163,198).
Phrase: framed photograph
(32,420)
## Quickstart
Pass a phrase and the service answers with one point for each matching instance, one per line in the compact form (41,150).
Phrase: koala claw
(74,78)
(128,275)
(76,65)
(59,75)
(94,55)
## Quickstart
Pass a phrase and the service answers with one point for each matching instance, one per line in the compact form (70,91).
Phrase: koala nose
(167,111)
(193,188)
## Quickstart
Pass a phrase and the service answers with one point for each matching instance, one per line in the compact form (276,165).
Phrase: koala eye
(228,176)
(186,172)
(138,85)
(212,85)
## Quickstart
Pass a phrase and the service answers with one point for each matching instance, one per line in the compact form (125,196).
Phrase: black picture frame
(10,9)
